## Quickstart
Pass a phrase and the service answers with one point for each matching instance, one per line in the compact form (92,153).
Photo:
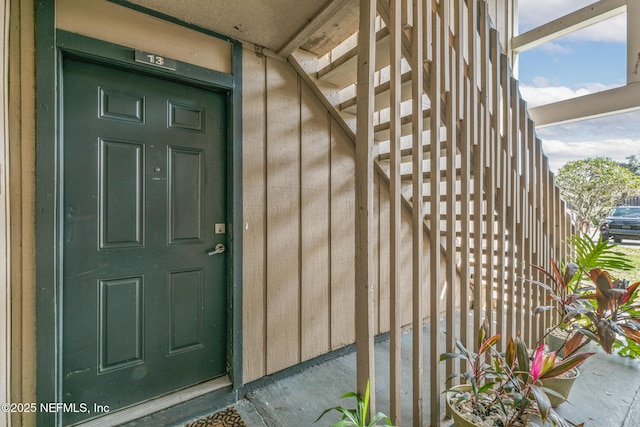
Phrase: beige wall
(107,21)
(21,166)
(5,218)
(299,225)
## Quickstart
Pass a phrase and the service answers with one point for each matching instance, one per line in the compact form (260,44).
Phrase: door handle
(217,250)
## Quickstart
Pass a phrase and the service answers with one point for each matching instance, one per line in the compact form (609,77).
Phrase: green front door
(144,304)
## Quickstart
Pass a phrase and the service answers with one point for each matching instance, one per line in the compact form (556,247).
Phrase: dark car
(622,223)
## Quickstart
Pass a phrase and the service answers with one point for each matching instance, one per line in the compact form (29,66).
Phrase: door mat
(226,418)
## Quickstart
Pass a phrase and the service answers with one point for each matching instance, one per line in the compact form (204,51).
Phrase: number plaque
(155,60)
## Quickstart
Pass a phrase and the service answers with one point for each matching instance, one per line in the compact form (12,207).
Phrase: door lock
(217,250)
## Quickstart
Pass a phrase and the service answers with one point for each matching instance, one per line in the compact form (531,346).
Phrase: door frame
(51,47)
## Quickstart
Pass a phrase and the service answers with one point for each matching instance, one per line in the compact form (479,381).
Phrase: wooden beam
(613,101)
(633,42)
(322,97)
(395,333)
(434,91)
(581,18)
(417,92)
(327,12)
(364,203)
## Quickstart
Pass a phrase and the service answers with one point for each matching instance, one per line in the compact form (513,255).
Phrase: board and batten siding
(299,226)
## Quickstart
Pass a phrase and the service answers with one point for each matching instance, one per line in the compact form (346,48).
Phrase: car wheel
(604,238)
(617,240)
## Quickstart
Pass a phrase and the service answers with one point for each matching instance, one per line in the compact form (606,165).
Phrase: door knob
(217,250)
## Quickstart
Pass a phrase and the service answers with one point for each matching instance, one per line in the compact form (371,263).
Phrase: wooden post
(633,41)
(417,92)
(364,201)
(465,181)
(395,28)
(450,205)
(434,222)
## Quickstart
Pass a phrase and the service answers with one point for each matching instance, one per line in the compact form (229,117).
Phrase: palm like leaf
(589,254)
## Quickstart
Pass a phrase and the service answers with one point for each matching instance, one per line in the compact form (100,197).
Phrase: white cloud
(556,48)
(537,12)
(534,13)
(611,30)
(544,95)
(541,93)
(561,152)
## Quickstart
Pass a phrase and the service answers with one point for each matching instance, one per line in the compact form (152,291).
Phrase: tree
(632,163)
(593,186)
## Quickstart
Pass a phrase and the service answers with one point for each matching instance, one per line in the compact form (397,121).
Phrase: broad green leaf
(566,364)
(447,356)
(544,406)
(490,342)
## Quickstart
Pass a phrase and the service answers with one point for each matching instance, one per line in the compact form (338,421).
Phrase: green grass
(633,252)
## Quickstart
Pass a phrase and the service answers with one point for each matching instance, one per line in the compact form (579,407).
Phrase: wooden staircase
(487,198)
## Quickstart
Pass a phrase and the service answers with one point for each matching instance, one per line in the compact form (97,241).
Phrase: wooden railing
(491,200)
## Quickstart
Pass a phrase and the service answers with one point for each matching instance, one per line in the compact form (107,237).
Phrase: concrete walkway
(607,393)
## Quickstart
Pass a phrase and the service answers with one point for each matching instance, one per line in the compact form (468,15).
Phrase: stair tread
(382,131)
(382,99)
(342,71)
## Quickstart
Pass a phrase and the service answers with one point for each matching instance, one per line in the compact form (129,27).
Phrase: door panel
(144,308)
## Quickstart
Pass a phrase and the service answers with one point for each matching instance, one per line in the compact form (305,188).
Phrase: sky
(587,61)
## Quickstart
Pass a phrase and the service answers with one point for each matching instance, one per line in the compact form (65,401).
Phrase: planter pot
(556,340)
(458,418)
(561,385)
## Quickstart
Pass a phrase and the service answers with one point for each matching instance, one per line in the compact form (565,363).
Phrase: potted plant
(357,417)
(614,320)
(476,399)
(571,299)
(564,294)
(505,389)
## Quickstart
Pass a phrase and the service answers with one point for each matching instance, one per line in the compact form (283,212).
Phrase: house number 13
(155,60)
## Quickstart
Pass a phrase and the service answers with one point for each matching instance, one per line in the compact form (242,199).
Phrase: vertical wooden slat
(515,217)
(549,237)
(465,179)
(485,139)
(314,225)
(375,236)
(513,313)
(527,203)
(417,92)
(283,229)
(488,137)
(395,28)
(537,235)
(507,188)
(450,229)
(533,229)
(254,179)
(474,119)
(364,199)
(445,14)
(434,225)
(450,206)
(495,167)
